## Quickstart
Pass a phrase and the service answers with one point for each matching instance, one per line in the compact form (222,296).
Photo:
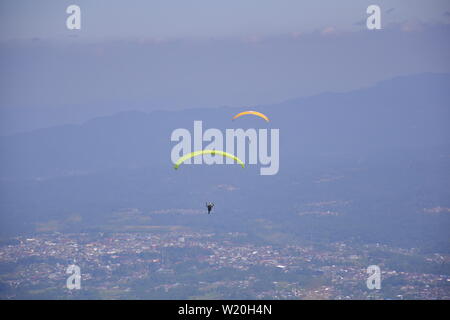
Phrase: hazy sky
(200,18)
(175,54)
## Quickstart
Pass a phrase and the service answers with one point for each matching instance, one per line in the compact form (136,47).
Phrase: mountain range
(370,164)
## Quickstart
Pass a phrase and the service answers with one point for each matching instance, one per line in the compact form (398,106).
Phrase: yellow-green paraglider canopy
(201,152)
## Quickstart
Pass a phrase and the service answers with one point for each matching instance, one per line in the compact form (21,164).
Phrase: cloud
(389,10)
(360,23)
(296,35)
(178,211)
(253,39)
(328,31)
(413,25)
(227,187)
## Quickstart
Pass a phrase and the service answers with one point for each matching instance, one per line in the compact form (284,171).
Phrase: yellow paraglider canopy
(201,152)
(256,113)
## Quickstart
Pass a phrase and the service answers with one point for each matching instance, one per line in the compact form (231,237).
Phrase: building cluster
(117,262)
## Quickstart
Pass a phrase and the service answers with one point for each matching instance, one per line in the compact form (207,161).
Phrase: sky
(169,55)
(203,18)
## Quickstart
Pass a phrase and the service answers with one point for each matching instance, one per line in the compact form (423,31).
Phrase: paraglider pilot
(209,205)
